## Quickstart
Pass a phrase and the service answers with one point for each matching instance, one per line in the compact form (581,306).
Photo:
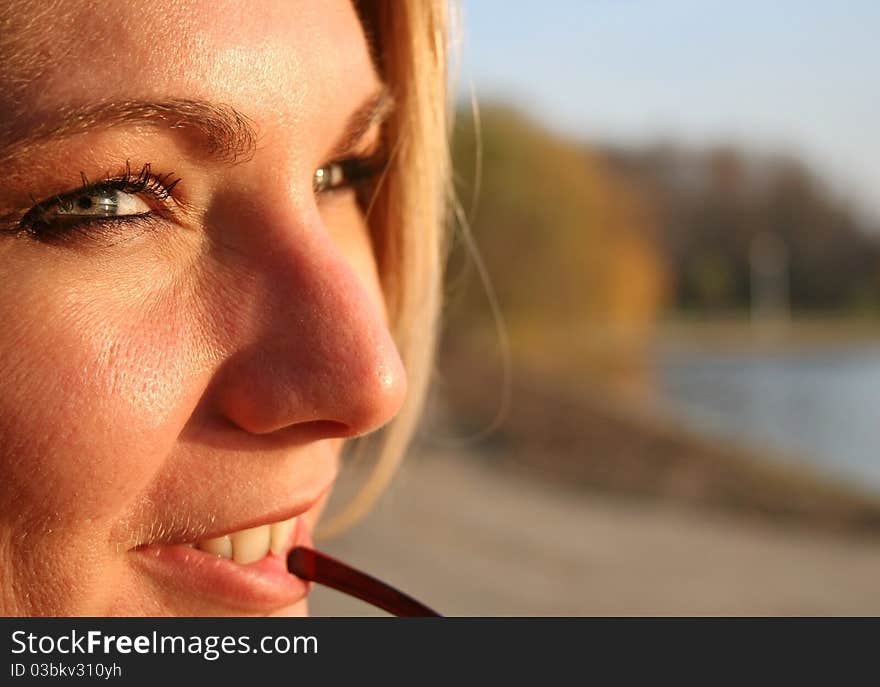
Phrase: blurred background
(667,399)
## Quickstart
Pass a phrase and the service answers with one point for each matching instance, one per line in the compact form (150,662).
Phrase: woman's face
(191,321)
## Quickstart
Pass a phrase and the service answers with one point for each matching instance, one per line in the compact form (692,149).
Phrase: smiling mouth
(243,570)
(252,544)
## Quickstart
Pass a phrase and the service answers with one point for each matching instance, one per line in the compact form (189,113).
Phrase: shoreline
(602,442)
(737,332)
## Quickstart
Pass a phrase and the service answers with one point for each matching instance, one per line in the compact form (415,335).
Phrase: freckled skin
(202,372)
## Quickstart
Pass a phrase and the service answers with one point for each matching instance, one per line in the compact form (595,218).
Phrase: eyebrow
(228,135)
(373,112)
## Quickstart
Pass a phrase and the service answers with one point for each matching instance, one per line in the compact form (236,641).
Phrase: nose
(314,352)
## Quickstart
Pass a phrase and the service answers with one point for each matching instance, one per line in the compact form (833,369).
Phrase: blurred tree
(713,205)
(586,246)
(569,246)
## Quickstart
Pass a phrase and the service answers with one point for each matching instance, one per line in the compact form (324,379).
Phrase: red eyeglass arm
(315,566)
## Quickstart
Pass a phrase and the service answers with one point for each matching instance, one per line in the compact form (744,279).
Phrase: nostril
(313,430)
(324,429)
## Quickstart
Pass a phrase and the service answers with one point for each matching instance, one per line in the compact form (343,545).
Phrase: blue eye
(99,205)
(97,202)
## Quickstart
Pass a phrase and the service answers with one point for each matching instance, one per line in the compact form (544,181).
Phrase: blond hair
(409,39)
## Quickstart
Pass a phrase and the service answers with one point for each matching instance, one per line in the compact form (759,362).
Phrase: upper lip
(276,516)
(192,533)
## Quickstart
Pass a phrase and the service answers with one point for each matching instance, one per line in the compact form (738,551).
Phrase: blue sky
(799,76)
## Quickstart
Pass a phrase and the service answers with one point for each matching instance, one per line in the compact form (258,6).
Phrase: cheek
(89,387)
(92,384)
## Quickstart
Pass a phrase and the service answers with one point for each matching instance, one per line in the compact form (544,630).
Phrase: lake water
(818,408)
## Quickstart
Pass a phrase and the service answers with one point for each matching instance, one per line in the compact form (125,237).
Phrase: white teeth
(221,546)
(250,545)
(280,534)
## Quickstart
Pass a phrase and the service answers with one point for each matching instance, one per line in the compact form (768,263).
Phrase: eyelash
(159,187)
(357,173)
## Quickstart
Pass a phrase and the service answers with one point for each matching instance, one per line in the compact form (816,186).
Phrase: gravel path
(470,539)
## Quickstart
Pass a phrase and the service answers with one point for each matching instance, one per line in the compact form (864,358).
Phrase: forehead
(283,57)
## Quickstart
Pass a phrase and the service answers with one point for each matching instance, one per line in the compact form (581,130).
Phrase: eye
(350,172)
(128,199)
(97,202)
(329,177)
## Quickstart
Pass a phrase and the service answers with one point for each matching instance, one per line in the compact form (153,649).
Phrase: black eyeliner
(33,223)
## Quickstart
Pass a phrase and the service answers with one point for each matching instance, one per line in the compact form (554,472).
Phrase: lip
(259,587)
(265,519)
